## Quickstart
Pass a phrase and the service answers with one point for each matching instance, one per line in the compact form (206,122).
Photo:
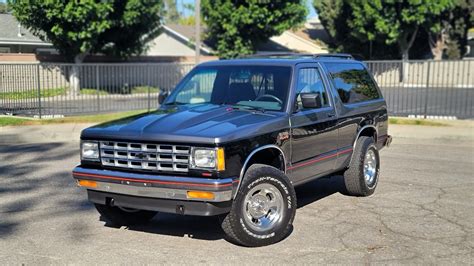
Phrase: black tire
(237,225)
(354,179)
(116,216)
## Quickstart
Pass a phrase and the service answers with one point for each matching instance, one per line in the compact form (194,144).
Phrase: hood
(204,123)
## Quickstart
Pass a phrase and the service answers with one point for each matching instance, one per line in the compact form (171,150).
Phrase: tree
(79,28)
(336,17)
(236,27)
(171,12)
(189,20)
(459,20)
(397,21)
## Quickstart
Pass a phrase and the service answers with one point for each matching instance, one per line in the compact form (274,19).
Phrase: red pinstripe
(320,159)
(153,181)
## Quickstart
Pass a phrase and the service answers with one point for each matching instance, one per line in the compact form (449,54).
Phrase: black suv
(234,139)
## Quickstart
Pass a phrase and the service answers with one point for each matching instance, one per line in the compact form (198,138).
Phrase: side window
(309,81)
(198,89)
(353,83)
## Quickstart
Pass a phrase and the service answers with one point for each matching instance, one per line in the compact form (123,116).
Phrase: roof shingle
(11,32)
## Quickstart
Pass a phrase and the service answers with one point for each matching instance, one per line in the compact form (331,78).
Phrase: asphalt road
(422,211)
(458,102)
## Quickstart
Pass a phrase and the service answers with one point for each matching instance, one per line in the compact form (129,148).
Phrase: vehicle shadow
(208,228)
(318,189)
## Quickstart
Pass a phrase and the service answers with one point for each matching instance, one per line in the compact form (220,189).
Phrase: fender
(244,166)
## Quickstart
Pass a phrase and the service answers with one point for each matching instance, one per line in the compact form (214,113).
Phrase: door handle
(331,114)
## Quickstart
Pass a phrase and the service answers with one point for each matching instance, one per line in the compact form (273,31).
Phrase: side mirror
(162,96)
(311,100)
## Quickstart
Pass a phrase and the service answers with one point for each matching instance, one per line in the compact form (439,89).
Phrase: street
(421,212)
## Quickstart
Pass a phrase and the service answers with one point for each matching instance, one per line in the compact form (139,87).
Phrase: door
(313,130)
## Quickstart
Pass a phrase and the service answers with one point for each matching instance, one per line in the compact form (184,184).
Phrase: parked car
(234,139)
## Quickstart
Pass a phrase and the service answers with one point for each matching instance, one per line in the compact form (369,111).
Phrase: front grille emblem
(158,157)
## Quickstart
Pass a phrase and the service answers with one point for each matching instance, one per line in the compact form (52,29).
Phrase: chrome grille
(158,157)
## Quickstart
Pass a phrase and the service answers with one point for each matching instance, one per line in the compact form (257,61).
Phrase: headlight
(208,158)
(90,150)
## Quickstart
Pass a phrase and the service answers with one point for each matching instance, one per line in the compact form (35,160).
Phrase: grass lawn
(28,94)
(100,118)
(11,121)
(415,122)
(93,92)
(144,89)
(134,90)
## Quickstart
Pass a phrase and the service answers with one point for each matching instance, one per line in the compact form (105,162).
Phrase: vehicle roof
(281,61)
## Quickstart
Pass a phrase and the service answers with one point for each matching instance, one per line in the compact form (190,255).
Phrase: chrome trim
(192,165)
(358,135)
(90,159)
(78,171)
(147,156)
(242,171)
(388,141)
(157,192)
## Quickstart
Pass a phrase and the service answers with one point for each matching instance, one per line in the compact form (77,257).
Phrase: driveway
(422,211)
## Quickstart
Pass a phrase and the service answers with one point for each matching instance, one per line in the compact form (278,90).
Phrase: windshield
(248,87)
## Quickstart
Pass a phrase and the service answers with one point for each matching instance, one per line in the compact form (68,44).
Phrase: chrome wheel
(370,167)
(263,207)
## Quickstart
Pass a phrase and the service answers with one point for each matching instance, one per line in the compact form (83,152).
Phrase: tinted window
(353,83)
(309,81)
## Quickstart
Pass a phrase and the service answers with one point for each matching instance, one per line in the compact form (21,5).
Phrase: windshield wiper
(248,107)
(175,103)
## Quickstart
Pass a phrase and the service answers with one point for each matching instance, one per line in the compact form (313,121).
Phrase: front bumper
(157,192)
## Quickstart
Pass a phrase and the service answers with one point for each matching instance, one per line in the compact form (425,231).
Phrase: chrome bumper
(388,141)
(156,186)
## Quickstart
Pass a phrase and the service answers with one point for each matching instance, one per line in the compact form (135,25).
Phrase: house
(311,38)
(176,40)
(16,39)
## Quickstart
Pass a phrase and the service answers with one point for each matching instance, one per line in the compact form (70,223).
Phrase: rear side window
(353,83)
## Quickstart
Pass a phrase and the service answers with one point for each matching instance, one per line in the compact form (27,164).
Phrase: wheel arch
(252,158)
(368,131)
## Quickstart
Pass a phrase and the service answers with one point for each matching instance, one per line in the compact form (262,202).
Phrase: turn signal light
(200,195)
(220,159)
(87,183)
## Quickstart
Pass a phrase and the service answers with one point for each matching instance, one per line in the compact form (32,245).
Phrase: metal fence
(427,88)
(414,88)
(44,90)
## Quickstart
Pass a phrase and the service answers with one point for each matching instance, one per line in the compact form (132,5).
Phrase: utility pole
(197,14)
